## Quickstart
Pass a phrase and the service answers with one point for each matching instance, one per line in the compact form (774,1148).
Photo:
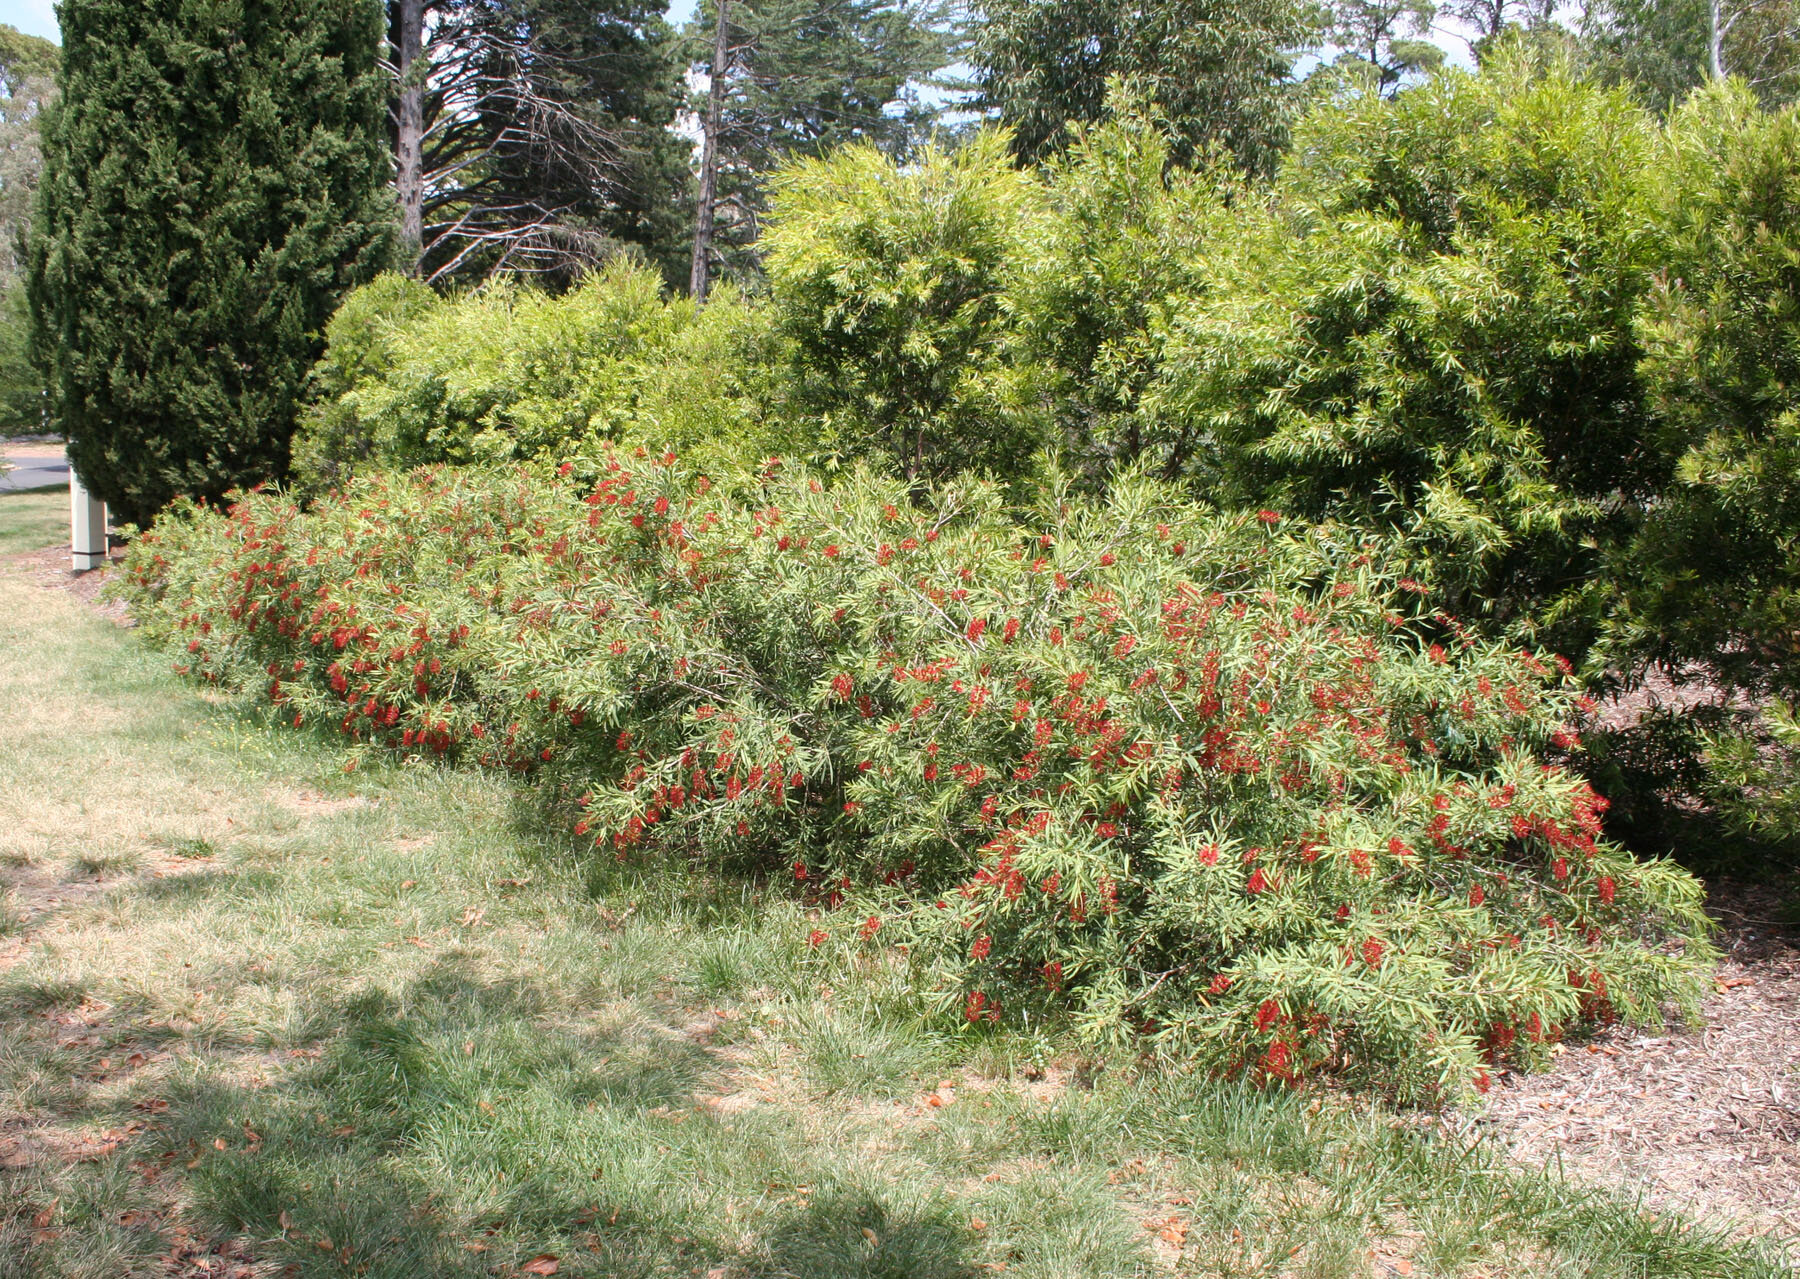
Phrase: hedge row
(1221,784)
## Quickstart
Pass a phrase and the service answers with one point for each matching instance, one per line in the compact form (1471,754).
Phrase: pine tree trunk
(410,130)
(709,162)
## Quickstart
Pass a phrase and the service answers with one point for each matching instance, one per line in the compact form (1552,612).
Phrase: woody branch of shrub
(1199,782)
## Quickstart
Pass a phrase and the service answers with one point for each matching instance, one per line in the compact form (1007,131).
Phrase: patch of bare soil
(50,569)
(1707,1122)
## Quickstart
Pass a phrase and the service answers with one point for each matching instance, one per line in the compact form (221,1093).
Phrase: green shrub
(1429,325)
(335,440)
(1124,243)
(1170,774)
(1713,577)
(513,373)
(889,281)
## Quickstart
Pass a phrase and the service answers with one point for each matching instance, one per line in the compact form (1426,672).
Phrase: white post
(87,527)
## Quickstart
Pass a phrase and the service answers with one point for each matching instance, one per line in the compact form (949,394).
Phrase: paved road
(34,473)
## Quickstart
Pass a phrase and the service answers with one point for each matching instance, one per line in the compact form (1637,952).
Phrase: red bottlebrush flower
(1051,883)
(1106,830)
(1437,654)
(973,1006)
(1010,631)
(1122,649)
(1560,868)
(816,938)
(1398,848)
(1476,896)
(1372,952)
(623,741)
(870,927)
(1053,974)
(1269,517)
(799,870)
(831,552)
(1209,855)
(931,770)
(842,685)
(983,945)
(1359,862)
(1259,882)
(976,627)
(1220,985)
(850,806)
(1607,889)
(1267,1015)
(1078,681)
(661,506)
(1108,560)
(1275,1061)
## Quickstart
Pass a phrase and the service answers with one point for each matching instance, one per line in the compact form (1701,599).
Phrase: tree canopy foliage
(27,84)
(1219,70)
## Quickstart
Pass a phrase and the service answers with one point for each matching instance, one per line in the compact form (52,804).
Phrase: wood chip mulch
(1705,1122)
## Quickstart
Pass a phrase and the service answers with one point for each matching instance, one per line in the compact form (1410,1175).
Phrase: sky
(33,17)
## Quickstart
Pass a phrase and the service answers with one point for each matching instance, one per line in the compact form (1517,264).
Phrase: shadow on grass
(454,1127)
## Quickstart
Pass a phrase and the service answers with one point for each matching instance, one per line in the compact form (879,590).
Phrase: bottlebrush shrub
(1204,781)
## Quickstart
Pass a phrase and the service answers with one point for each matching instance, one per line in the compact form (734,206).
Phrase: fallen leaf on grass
(873,1238)
(543,1264)
(43,1219)
(976,1223)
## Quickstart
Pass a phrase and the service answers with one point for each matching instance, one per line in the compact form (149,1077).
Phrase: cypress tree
(216,177)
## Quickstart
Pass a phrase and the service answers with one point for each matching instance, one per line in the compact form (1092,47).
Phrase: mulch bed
(1704,1121)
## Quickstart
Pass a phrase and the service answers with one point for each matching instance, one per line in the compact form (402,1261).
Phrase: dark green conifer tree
(216,176)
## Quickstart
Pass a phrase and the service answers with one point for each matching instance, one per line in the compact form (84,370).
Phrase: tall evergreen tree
(535,136)
(1666,48)
(216,177)
(797,78)
(1220,70)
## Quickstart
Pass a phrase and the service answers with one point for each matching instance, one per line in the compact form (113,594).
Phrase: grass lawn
(34,519)
(258,1017)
